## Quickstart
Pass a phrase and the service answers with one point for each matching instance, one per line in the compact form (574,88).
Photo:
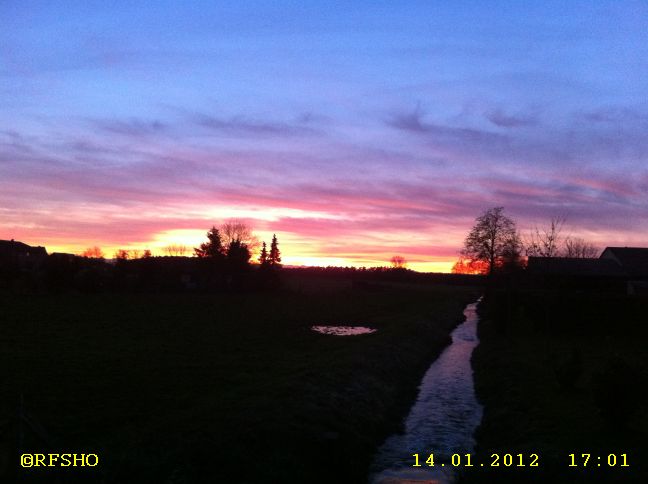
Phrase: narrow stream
(443,419)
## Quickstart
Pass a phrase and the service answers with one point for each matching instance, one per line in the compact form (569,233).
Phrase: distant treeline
(64,272)
(387,274)
(221,263)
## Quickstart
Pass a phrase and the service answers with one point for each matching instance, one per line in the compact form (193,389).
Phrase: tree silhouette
(398,262)
(176,250)
(93,253)
(121,255)
(238,256)
(274,258)
(546,242)
(147,254)
(493,239)
(579,248)
(263,257)
(213,248)
(235,229)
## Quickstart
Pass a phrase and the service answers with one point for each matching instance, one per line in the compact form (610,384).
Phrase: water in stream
(343,330)
(443,419)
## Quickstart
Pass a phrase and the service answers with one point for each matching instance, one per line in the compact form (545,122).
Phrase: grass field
(559,375)
(173,388)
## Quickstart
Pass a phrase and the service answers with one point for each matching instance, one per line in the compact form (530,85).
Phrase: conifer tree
(213,247)
(263,258)
(238,256)
(274,259)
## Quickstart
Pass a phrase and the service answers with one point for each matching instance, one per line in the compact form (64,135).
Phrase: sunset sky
(354,130)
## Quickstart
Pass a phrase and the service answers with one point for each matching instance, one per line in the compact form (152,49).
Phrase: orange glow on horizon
(291,255)
(371,248)
(464,266)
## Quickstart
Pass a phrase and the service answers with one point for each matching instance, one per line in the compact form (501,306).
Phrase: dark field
(563,374)
(186,388)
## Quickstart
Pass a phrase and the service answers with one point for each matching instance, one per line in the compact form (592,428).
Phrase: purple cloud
(505,120)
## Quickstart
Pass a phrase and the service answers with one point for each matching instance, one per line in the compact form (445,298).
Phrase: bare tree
(175,250)
(545,242)
(121,254)
(93,252)
(579,248)
(398,262)
(236,230)
(493,239)
(135,254)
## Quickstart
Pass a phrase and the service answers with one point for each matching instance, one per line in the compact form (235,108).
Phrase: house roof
(568,266)
(633,260)
(13,247)
(7,245)
(63,255)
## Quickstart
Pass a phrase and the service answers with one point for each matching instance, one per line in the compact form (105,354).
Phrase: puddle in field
(343,330)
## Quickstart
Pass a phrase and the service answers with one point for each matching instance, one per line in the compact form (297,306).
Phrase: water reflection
(343,330)
(443,419)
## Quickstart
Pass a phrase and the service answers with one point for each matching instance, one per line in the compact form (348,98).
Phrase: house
(634,263)
(618,269)
(574,267)
(20,255)
(633,260)
(63,257)
(575,275)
